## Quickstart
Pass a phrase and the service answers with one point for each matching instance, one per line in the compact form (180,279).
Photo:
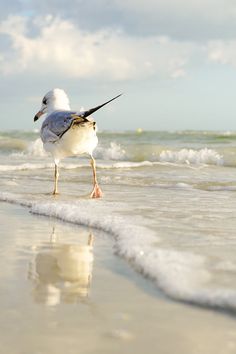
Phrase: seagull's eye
(44,101)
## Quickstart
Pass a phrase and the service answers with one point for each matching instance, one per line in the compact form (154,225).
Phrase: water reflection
(61,272)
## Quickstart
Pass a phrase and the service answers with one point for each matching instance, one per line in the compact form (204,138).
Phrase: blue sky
(175,61)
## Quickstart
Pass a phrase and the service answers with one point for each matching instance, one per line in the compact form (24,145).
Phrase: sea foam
(131,155)
(181,275)
(113,152)
(25,166)
(35,148)
(190,156)
(72,166)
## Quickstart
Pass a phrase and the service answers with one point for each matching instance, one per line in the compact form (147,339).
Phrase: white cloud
(199,20)
(223,52)
(63,49)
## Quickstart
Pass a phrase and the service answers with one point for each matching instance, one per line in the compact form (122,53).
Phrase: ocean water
(169,203)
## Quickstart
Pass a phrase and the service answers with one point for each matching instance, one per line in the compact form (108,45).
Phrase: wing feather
(58,123)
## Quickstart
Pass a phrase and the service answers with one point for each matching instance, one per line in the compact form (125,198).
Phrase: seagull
(67,133)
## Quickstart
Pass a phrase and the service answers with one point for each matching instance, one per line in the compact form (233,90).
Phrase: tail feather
(92,110)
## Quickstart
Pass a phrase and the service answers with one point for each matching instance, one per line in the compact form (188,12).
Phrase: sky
(173,60)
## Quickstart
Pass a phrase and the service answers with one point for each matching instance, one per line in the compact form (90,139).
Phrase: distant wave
(115,152)
(25,167)
(190,156)
(112,152)
(131,150)
(72,166)
(31,148)
(182,157)
(8,144)
(180,275)
(35,148)
(149,157)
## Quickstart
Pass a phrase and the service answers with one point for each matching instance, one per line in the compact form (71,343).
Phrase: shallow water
(169,204)
(64,290)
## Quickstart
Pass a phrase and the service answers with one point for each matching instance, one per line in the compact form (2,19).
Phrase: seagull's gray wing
(58,123)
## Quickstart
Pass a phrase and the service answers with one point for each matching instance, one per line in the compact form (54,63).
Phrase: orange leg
(97,192)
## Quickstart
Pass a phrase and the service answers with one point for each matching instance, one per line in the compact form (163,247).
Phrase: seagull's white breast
(76,141)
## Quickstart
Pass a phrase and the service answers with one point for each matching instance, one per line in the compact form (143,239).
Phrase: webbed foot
(97,192)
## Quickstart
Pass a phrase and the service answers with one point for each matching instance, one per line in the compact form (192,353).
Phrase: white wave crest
(126,164)
(35,148)
(113,152)
(25,166)
(189,156)
(72,166)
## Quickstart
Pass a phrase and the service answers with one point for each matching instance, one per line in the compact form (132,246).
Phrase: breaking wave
(8,144)
(115,152)
(182,157)
(112,152)
(194,157)
(181,275)
(35,148)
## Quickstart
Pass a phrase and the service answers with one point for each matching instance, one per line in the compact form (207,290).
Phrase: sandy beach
(64,290)
(117,177)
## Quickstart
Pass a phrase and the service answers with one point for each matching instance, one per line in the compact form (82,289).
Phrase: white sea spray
(113,152)
(190,156)
(35,148)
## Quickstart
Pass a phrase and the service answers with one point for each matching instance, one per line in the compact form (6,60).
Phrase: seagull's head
(54,100)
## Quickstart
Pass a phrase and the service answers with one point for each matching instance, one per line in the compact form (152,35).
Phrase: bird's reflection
(62,272)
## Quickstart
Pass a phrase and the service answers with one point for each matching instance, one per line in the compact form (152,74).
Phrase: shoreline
(187,275)
(48,309)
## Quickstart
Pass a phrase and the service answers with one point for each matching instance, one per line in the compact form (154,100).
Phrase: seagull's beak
(39,114)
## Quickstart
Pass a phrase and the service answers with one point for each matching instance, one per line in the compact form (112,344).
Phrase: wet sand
(63,290)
